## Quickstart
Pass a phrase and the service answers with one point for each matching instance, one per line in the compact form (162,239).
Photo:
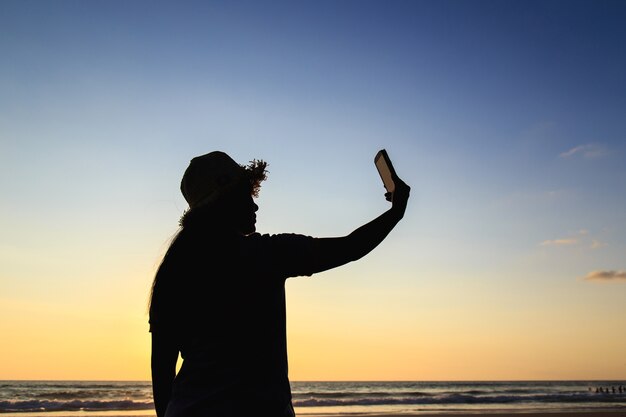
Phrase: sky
(505,117)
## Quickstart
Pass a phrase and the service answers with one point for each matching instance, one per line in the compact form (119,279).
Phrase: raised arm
(163,363)
(333,252)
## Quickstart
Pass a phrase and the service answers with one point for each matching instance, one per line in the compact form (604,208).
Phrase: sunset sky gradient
(507,118)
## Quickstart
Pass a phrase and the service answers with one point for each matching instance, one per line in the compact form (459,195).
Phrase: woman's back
(225,310)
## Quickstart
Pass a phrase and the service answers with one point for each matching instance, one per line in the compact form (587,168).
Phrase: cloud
(559,242)
(596,244)
(606,276)
(590,150)
(580,238)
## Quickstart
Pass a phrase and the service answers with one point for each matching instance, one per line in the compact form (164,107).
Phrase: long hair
(173,240)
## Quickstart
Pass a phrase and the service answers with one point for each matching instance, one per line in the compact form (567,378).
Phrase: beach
(488,414)
(476,413)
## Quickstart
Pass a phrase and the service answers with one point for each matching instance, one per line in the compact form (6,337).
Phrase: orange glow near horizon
(365,338)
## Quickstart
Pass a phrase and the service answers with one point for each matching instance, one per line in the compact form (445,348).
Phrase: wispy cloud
(589,150)
(596,244)
(580,238)
(559,242)
(606,276)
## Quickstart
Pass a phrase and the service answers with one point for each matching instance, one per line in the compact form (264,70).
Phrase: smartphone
(385,170)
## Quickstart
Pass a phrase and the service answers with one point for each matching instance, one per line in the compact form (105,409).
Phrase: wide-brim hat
(210,176)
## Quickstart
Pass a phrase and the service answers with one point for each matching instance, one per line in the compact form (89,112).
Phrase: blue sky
(507,118)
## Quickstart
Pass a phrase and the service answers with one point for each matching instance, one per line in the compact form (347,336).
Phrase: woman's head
(220,190)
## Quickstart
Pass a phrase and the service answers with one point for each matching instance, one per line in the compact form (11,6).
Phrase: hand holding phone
(385,170)
(397,190)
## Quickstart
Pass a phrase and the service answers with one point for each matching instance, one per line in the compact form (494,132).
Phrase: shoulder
(283,254)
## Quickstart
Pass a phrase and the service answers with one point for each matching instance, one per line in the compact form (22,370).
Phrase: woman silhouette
(218,296)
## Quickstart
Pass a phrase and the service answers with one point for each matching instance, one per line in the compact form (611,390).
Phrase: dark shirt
(221,298)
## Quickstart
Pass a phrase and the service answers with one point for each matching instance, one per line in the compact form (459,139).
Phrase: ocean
(134,398)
